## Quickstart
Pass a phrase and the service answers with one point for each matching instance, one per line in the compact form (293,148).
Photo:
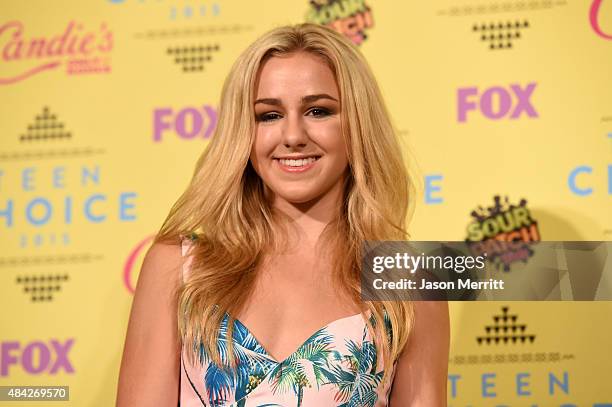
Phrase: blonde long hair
(225,206)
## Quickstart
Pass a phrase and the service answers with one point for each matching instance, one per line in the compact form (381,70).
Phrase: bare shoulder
(160,275)
(162,261)
(150,364)
(422,369)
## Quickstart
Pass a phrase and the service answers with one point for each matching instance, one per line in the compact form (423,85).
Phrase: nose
(294,133)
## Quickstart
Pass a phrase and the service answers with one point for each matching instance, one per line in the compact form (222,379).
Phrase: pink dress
(336,366)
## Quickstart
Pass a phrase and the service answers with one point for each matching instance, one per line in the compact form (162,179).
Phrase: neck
(309,219)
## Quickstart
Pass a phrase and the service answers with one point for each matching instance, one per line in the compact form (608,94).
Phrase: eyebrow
(305,99)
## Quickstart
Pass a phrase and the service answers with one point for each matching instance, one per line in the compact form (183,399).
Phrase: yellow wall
(115,147)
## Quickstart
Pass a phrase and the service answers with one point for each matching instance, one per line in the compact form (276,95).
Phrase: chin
(297,198)
(298,195)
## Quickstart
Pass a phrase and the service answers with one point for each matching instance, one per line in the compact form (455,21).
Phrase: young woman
(258,262)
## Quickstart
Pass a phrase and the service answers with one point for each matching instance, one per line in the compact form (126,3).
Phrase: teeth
(297,163)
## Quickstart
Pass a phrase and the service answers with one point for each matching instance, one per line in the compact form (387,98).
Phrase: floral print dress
(336,366)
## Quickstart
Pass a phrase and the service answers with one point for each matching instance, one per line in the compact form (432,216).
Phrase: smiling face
(299,151)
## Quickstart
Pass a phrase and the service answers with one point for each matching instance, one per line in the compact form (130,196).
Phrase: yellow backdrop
(108,103)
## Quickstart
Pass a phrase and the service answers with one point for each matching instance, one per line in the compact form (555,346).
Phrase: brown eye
(319,112)
(267,117)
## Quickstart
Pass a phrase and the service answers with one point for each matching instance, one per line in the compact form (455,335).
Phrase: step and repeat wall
(504,109)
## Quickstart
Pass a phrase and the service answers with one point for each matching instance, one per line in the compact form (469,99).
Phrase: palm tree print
(316,362)
(355,375)
(252,364)
(291,374)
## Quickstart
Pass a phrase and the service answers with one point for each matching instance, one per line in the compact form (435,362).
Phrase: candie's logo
(80,50)
(595,23)
(348,17)
(503,231)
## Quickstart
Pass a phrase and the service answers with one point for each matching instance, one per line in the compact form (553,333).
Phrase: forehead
(298,73)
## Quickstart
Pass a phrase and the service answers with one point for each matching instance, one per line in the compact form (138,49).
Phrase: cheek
(331,140)
(263,146)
